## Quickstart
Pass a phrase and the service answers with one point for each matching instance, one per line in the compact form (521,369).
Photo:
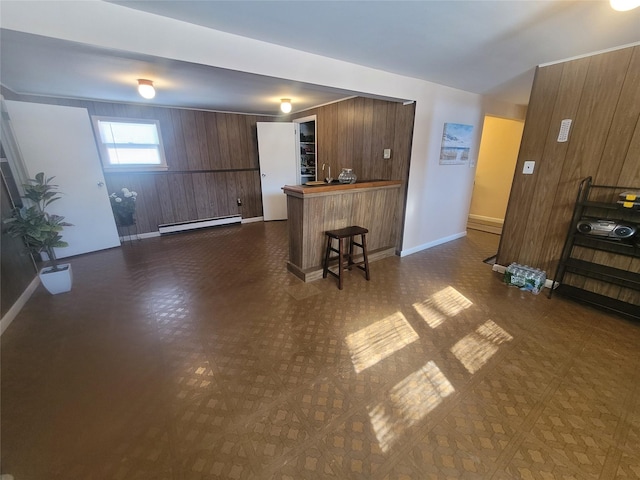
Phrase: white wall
(438,197)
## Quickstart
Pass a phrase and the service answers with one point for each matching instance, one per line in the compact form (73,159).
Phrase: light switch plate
(386,153)
(529,165)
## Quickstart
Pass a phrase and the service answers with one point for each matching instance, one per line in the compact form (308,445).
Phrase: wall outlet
(239,202)
(528,167)
(386,153)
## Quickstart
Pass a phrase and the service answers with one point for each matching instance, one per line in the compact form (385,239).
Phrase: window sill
(135,169)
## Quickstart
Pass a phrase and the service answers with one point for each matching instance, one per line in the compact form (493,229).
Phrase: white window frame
(134,167)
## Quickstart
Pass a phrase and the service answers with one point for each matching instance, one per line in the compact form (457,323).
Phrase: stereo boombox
(606,228)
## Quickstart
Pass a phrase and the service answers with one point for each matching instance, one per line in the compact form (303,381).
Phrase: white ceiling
(485,47)
(32,64)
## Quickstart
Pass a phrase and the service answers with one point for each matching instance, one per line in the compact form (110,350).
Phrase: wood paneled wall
(353,134)
(601,94)
(213,157)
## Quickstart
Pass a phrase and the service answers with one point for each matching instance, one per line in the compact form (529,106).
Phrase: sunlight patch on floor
(476,348)
(446,303)
(408,402)
(379,340)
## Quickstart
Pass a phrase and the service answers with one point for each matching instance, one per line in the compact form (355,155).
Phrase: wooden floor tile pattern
(198,356)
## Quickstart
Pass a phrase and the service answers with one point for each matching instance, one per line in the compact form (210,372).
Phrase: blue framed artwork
(456,144)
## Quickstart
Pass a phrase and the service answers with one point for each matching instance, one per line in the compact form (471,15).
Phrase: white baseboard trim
(20,302)
(435,243)
(548,283)
(253,219)
(498,268)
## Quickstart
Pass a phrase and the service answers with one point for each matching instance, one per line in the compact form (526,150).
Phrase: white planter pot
(57,282)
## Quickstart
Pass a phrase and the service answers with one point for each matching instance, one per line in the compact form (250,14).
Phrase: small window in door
(127,144)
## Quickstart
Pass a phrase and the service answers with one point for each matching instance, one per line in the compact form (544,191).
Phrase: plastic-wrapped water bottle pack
(525,277)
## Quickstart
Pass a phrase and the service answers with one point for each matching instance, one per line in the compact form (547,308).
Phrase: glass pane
(134,156)
(114,132)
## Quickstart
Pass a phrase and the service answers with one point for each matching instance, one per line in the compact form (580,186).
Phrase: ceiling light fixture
(145,88)
(624,5)
(285,105)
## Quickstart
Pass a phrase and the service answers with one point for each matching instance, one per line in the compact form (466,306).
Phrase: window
(129,144)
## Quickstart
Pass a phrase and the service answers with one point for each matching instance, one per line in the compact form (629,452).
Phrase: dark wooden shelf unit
(614,246)
(613,275)
(600,284)
(600,302)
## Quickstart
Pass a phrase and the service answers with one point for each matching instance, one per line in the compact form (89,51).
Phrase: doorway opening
(497,158)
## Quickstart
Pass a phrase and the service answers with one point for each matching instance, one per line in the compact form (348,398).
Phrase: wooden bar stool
(340,235)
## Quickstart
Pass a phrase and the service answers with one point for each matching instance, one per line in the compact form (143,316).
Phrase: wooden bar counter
(312,210)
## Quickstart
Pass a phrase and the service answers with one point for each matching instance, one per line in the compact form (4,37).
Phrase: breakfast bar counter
(312,210)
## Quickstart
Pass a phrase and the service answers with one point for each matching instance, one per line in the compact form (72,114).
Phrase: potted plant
(41,231)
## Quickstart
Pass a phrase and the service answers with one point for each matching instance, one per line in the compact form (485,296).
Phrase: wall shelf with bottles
(308,159)
(307,148)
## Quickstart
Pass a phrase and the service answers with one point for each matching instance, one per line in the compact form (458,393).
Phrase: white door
(278,166)
(59,141)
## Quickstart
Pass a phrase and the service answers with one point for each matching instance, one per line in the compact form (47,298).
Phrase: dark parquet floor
(198,356)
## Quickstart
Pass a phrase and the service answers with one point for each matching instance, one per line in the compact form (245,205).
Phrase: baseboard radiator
(195,224)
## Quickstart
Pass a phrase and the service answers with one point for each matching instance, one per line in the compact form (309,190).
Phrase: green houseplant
(41,230)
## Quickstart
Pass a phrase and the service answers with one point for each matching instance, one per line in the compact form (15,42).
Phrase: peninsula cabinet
(600,262)
(312,210)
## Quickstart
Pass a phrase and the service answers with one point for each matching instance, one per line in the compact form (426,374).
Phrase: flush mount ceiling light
(285,105)
(624,5)
(145,88)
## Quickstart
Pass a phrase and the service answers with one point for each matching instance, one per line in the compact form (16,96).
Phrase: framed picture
(456,144)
